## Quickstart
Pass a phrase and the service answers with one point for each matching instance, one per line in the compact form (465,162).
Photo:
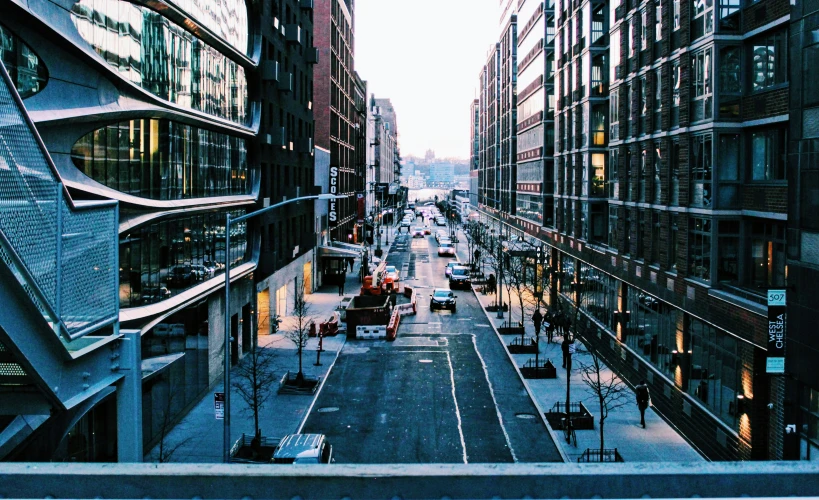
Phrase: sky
(425,56)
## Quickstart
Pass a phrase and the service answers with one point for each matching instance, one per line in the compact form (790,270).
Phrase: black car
(442,299)
(459,278)
(180,276)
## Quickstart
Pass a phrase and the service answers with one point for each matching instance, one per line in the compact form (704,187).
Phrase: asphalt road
(443,392)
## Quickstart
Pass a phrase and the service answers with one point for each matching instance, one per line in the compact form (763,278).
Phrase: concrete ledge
(628,480)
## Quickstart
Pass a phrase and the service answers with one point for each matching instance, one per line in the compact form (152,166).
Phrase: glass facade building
(164,160)
(163,58)
(161,259)
(226,18)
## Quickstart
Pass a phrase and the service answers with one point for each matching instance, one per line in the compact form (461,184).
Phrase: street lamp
(228,222)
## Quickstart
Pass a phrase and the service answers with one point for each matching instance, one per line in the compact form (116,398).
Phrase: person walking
(643,400)
(565,348)
(350,262)
(341,286)
(537,319)
(550,327)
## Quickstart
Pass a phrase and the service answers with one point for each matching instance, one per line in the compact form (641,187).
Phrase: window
(614,115)
(658,100)
(599,125)
(658,23)
(644,97)
(728,170)
(655,238)
(676,13)
(674,175)
(700,166)
(598,165)
(598,84)
(810,74)
(657,190)
(675,93)
(728,251)
(768,267)
(714,376)
(730,83)
(26,69)
(614,158)
(699,249)
(770,61)
(701,96)
(627,115)
(613,237)
(631,37)
(631,241)
(703,21)
(768,154)
(641,190)
(644,29)
(673,238)
(728,15)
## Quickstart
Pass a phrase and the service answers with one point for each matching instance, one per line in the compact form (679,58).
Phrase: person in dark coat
(490,284)
(550,326)
(643,398)
(565,348)
(537,319)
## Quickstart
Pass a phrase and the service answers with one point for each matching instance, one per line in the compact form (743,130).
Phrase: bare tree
(168,447)
(518,280)
(609,391)
(301,329)
(254,380)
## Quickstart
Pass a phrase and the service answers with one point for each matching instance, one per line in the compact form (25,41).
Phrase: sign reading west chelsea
(777,315)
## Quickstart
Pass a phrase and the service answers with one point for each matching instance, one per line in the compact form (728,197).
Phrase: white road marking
(481,324)
(492,392)
(458,411)
(464,319)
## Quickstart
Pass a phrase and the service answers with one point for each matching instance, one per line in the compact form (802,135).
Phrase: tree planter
(249,450)
(289,384)
(594,455)
(545,370)
(494,308)
(511,330)
(527,346)
(582,419)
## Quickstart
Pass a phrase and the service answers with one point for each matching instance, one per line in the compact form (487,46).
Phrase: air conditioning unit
(270,71)
(285,82)
(277,137)
(292,34)
(311,55)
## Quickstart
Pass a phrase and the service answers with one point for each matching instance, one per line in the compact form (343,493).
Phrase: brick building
(670,199)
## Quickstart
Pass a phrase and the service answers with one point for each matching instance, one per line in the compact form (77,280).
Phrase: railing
(598,455)
(65,255)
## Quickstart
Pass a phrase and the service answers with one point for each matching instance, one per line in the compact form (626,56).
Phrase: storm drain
(327,409)
(526,416)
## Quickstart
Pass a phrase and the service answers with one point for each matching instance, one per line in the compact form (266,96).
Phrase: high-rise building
(334,108)
(382,175)
(670,198)
(801,400)
(158,111)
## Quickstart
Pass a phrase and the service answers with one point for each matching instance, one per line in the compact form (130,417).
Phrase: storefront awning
(348,247)
(338,253)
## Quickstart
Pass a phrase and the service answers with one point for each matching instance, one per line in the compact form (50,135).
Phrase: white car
(446,250)
(406,223)
(418,232)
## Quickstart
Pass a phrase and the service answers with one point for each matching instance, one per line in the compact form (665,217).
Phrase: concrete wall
(286,275)
(241,294)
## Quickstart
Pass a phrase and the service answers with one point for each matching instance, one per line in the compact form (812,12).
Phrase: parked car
(446,250)
(459,277)
(180,276)
(440,221)
(442,299)
(449,266)
(201,272)
(393,273)
(418,232)
(303,449)
(153,294)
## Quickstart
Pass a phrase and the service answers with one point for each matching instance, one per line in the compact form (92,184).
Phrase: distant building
(441,173)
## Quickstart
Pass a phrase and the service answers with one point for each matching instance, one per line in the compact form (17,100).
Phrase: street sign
(777,312)
(219,405)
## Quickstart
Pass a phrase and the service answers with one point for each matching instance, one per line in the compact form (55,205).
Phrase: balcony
(293,34)
(304,145)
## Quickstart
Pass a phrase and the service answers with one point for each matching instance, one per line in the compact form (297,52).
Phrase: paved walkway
(658,442)
(199,435)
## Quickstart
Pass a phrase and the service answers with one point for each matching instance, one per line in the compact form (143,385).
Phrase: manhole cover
(525,416)
(327,409)
(425,361)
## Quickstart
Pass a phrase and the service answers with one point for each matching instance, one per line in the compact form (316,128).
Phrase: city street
(444,392)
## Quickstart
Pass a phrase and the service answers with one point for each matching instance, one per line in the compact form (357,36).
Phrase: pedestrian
(537,319)
(565,348)
(490,283)
(550,326)
(643,400)
(350,262)
(341,285)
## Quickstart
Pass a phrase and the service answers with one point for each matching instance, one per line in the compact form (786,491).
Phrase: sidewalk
(199,436)
(658,442)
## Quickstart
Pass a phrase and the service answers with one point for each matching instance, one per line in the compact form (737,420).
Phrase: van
(303,449)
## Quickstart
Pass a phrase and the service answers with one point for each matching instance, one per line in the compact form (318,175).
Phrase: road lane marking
(457,409)
(492,392)
(483,325)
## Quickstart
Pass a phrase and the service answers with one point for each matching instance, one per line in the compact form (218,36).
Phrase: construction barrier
(392,326)
(370,332)
(409,308)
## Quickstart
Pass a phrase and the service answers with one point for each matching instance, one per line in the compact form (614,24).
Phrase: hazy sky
(425,55)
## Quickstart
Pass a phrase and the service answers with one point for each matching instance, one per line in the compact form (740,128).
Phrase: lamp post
(228,222)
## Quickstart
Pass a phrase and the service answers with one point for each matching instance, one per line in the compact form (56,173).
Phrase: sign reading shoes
(333,215)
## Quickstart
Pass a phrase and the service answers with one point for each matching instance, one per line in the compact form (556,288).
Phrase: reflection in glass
(26,69)
(714,370)
(226,18)
(163,58)
(159,260)
(164,160)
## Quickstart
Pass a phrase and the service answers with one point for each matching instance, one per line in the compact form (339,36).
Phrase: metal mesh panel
(32,212)
(88,288)
(11,370)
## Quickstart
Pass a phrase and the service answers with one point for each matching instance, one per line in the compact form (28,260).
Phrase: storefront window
(162,259)
(714,379)
(164,160)
(768,268)
(651,329)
